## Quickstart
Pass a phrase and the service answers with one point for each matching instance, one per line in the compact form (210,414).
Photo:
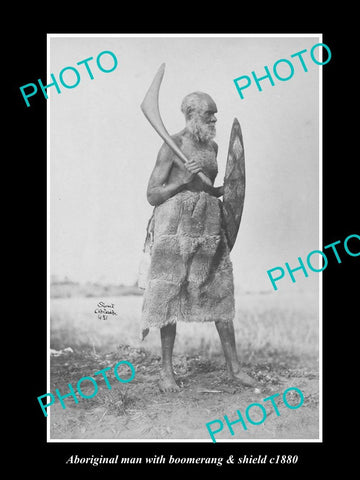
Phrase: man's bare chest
(204,154)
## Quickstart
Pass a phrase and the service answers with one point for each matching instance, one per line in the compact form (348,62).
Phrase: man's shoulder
(177,138)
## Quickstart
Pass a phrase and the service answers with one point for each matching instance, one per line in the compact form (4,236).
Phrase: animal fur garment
(190,276)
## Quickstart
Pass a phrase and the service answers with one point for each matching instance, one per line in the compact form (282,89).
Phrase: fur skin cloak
(190,276)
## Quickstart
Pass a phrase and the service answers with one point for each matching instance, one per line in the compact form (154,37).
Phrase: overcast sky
(102,150)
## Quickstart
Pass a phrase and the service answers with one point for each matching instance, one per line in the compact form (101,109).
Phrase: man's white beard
(203,132)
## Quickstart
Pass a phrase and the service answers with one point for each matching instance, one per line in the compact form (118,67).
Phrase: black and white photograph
(176,197)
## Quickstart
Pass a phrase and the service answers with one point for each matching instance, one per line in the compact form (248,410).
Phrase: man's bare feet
(227,337)
(242,377)
(167,382)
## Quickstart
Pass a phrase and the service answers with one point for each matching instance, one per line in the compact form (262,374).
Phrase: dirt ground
(138,411)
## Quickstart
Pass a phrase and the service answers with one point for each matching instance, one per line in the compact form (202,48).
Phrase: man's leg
(227,338)
(167,380)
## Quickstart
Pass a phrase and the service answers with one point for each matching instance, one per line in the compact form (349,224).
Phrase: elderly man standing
(190,276)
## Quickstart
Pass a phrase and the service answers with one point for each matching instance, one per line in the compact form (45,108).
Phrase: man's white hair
(194,102)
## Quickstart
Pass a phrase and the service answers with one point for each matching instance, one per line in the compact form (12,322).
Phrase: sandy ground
(277,339)
(138,411)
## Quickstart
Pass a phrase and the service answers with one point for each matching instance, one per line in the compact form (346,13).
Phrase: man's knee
(168,330)
(224,325)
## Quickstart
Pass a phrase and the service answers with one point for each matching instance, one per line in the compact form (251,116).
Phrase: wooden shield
(234,184)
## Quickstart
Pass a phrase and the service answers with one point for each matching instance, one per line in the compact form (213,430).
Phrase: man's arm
(214,191)
(218,191)
(158,190)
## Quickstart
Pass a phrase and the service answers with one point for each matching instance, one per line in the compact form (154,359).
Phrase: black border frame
(340,199)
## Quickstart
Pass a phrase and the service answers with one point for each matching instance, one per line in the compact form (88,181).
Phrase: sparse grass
(287,323)
(277,338)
